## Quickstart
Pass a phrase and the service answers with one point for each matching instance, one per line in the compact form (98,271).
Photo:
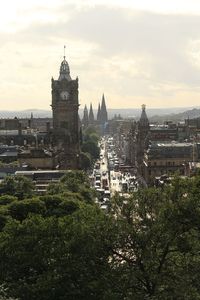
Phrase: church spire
(99,113)
(85,120)
(91,115)
(104,115)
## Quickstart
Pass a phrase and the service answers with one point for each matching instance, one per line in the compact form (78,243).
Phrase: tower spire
(64,69)
(143,118)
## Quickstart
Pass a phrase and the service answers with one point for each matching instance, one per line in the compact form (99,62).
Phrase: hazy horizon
(133,51)
(109,108)
(125,113)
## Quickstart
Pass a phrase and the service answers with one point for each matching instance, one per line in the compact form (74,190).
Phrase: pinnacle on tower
(91,115)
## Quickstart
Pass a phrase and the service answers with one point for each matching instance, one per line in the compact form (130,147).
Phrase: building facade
(168,159)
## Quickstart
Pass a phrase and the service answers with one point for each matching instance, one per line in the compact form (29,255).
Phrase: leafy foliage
(56,258)
(85,161)
(18,186)
(157,243)
(74,184)
(62,246)
(90,145)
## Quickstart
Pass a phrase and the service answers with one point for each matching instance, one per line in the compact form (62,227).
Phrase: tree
(147,247)
(91,131)
(74,185)
(90,142)
(73,179)
(61,205)
(92,148)
(20,210)
(85,161)
(157,242)
(18,186)
(7,199)
(56,258)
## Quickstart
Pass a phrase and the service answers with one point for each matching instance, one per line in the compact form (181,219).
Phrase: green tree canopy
(18,186)
(56,258)
(74,184)
(92,148)
(85,161)
(90,145)
(146,247)
(157,243)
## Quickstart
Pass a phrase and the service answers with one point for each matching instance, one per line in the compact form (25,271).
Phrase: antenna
(64,51)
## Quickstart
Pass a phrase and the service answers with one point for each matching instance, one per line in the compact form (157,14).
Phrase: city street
(107,179)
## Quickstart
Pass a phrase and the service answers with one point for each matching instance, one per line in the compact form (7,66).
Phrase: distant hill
(191,114)
(154,114)
(37,113)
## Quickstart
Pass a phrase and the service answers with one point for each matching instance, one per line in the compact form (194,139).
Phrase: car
(107,194)
(104,207)
(97,184)
(106,201)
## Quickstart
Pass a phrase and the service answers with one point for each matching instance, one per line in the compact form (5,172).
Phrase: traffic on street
(109,176)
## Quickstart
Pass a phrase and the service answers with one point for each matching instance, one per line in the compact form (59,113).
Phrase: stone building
(169,132)
(168,158)
(65,105)
(37,159)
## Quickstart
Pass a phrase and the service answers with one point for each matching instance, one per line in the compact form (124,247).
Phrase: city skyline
(134,52)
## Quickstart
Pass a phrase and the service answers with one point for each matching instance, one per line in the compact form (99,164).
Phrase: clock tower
(65,118)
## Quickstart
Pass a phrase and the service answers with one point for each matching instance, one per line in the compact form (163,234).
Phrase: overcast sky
(134,51)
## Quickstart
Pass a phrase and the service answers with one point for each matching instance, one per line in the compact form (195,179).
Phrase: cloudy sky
(135,51)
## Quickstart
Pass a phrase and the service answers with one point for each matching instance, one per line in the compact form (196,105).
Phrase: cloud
(123,52)
(160,41)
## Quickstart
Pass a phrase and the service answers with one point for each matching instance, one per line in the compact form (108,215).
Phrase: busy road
(107,177)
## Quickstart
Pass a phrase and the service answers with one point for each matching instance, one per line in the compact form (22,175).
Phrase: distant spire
(85,120)
(104,115)
(91,115)
(143,118)
(99,113)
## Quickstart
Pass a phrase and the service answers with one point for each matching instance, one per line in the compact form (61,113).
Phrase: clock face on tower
(64,95)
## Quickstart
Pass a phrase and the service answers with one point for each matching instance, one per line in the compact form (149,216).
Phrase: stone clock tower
(65,118)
